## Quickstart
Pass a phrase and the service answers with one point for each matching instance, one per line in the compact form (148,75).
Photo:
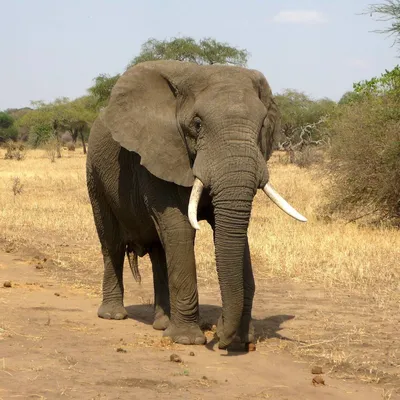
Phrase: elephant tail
(133,263)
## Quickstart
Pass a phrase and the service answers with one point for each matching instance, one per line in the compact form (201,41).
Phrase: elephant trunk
(230,238)
(232,188)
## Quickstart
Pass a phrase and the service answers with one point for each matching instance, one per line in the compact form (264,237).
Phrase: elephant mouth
(274,196)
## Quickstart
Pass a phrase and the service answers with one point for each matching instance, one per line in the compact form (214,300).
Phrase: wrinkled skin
(168,122)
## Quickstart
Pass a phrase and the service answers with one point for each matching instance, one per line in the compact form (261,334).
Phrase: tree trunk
(83,141)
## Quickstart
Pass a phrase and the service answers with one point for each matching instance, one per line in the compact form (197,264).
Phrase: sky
(53,49)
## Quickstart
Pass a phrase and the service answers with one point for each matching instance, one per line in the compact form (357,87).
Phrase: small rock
(250,347)
(56,294)
(39,266)
(191,354)
(316,370)
(204,377)
(7,284)
(318,380)
(175,358)
(121,350)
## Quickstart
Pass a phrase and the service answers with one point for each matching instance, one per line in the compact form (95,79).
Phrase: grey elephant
(178,143)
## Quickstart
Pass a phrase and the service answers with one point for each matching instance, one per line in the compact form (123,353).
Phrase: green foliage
(101,90)
(6,120)
(45,118)
(298,110)
(388,11)
(387,84)
(365,160)
(9,133)
(17,113)
(206,51)
(8,129)
(350,97)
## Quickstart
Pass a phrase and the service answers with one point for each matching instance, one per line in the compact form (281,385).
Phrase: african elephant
(178,143)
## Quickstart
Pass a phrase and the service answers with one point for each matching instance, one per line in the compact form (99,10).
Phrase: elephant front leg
(246,332)
(177,237)
(161,290)
(112,306)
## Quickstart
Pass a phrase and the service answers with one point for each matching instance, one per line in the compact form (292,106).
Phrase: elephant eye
(197,124)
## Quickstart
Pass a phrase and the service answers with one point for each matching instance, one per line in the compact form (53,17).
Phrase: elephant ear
(270,131)
(141,116)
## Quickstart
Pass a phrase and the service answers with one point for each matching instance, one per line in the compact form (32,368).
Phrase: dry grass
(54,210)
(53,214)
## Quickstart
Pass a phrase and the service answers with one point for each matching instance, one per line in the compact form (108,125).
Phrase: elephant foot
(187,334)
(112,311)
(161,322)
(246,333)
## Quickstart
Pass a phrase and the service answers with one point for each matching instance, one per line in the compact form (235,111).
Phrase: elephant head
(207,127)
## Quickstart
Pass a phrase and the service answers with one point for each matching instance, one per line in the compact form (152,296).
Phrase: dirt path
(52,345)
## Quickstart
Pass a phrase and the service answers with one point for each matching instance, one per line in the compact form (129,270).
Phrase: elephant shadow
(266,328)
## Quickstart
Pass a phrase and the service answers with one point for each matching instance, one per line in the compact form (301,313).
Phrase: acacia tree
(46,120)
(388,11)
(101,90)
(205,51)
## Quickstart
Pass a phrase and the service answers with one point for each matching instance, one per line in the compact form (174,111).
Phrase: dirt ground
(52,345)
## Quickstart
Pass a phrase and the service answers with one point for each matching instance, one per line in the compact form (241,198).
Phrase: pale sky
(52,48)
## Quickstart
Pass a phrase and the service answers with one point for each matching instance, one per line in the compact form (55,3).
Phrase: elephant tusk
(195,195)
(282,203)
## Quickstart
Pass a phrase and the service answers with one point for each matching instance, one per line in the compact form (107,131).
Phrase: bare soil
(53,345)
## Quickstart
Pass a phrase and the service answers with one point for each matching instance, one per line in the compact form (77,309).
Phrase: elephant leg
(177,237)
(161,290)
(246,331)
(113,251)
(112,306)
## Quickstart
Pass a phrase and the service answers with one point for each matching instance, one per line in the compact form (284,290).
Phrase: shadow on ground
(266,328)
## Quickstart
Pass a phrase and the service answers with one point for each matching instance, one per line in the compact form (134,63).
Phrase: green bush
(365,160)
(39,134)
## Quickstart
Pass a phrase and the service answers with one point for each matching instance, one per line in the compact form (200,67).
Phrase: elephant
(179,143)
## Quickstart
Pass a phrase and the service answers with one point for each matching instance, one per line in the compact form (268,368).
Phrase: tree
(349,97)
(47,120)
(388,84)
(6,120)
(388,11)
(301,119)
(206,51)
(101,90)
(7,127)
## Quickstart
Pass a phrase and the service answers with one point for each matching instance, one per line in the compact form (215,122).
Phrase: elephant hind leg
(112,306)
(161,290)
(113,250)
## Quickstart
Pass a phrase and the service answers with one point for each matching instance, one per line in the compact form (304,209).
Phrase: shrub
(15,151)
(365,160)
(308,156)
(53,150)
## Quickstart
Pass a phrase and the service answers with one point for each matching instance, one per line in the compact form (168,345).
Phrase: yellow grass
(53,209)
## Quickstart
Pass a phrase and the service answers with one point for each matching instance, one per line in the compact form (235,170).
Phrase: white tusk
(195,195)
(282,203)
